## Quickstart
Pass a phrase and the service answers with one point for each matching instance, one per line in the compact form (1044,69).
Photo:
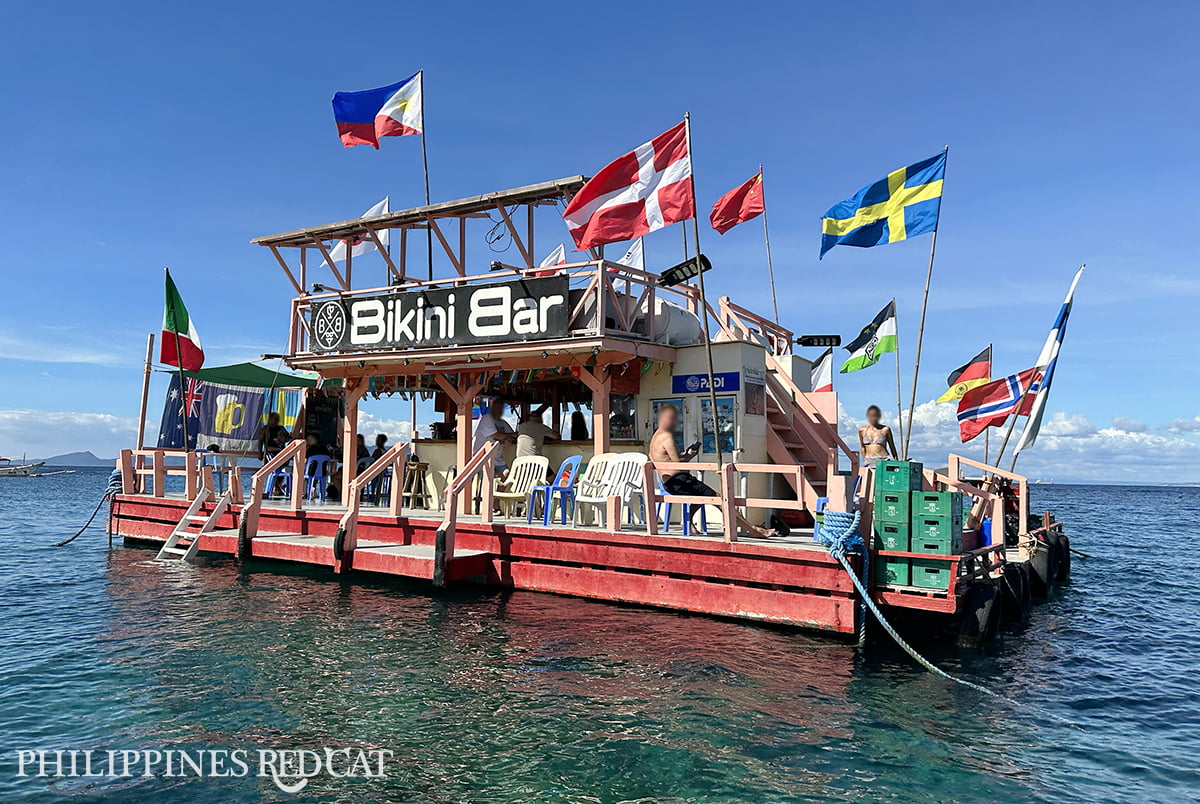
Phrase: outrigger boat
(23,469)
(615,342)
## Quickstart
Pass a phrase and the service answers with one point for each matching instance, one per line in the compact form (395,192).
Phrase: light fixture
(362,364)
(406,361)
(544,355)
(317,288)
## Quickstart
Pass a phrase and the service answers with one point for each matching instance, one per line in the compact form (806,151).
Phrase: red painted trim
(764,582)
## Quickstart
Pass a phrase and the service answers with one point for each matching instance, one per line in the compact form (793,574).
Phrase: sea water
(489,696)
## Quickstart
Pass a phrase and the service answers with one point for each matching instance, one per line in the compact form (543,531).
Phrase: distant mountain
(79,459)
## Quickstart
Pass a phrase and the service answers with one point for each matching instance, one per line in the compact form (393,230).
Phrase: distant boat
(10,469)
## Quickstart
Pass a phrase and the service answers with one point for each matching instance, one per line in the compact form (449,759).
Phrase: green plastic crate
(929,573)
(898,476)
(937,503)
(892,536)
(894,571)
(937,534)
(893,506)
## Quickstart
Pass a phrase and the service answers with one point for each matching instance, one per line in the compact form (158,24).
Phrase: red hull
(796,585)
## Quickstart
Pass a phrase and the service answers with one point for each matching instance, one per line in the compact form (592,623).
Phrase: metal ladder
(190,539)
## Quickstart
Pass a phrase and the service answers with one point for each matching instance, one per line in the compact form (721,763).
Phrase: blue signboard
(725,381)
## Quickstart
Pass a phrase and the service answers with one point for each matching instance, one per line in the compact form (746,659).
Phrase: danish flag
(646,189)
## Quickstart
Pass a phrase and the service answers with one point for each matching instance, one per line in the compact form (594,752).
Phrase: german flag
(976,371)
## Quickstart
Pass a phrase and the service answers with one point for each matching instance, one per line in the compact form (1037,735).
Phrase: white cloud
(53,349)
(43,434)
(1069,448)
(1191,425)
(1062,424)
(370,426)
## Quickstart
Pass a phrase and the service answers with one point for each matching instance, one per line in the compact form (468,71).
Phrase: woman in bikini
(875,439)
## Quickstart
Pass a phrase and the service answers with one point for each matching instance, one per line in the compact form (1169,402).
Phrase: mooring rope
(114,487)
(840,535)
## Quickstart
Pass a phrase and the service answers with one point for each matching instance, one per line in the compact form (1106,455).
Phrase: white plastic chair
(524,474)
(622,478)
(591,484)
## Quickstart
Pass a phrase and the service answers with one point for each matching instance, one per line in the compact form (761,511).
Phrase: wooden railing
(482,464)
(394,459)
(754,327)
(134,471)
(296,451)
(727,499)
(992,476)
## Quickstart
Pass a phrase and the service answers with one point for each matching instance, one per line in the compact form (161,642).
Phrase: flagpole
(987,431)
(712,388)
(921,328)
(767,240)
(899,400)
(425,165)
(182,385)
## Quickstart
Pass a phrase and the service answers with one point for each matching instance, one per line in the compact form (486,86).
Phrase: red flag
(739,205)
(990,405)
(646,189)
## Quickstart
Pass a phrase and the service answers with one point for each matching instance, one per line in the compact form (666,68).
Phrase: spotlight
(319,288)
(496,265)
(544,355)
(362,364)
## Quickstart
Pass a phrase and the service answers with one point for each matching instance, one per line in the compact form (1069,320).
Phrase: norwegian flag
(990,405)
(646,189)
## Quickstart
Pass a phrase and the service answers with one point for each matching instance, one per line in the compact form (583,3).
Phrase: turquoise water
(493,697)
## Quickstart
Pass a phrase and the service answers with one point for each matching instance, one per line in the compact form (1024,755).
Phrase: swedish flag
(904,204)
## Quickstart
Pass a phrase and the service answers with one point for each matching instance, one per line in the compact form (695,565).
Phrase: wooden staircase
(184,541)
(799,435)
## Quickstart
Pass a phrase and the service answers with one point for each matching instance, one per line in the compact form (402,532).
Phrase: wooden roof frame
(545,193)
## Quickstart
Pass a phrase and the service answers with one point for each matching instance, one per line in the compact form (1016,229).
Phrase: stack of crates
(937,525)
(895,484)
(909,520)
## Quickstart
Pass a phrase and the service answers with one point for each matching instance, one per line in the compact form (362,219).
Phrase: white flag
(635,257)
(361,247)
(556,257)
(1047,361)
(822,372)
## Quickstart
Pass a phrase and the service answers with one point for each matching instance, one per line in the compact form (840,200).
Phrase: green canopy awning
(251,375)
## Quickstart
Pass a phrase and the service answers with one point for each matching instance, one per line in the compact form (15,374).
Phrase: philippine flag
(391,111)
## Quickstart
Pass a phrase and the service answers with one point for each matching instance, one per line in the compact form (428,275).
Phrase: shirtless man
(662,450)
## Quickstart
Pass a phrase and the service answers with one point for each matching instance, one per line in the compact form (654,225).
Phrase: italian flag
(876,339)
(180,341)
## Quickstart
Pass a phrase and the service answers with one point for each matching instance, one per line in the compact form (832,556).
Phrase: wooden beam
(526,254)
(283,264)
(332,265)
(437,230)
(392,272)
(349,432)
(403,254)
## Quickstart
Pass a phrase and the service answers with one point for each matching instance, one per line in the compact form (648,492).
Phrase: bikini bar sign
(524,310)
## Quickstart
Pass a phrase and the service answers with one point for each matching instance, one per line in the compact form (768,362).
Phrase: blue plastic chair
(316,476)
(281,479)
(664,509)
(563,485)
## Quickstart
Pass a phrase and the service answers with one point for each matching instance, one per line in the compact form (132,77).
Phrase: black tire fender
(1063,547)
(1015,593)
(339,544)
(981,616)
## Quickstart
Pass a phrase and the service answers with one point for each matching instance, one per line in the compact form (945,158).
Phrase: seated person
(532,434)
(380,447)
(491,427)
(663,450)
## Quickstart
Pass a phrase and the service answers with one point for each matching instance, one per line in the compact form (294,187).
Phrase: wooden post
(299,492)
(728,501)
(160,473)
(128,478)
(141,434)
(650,495)
(599,382)
(349,433)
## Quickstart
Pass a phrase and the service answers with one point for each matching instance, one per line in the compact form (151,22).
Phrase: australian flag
(180,404)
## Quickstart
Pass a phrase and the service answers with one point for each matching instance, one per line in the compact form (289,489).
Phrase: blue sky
(144,135)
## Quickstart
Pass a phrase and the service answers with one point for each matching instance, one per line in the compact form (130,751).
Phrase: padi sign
(524,310)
